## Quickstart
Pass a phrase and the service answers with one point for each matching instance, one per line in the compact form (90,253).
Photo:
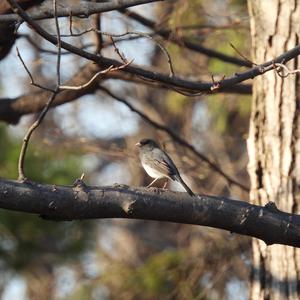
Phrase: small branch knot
(79,183)
(128,206)
(271,206)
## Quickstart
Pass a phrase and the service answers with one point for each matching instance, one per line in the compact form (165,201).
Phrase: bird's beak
(138,144)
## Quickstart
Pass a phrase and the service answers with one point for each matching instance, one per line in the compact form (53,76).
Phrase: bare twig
(103,72)
(138,33)
(242,55)
(71,23)
(58,42)
(279,68)
(121,55)
(42,115)
(99,37)
(77,34)
(32,82)
(148,36)
(26,139)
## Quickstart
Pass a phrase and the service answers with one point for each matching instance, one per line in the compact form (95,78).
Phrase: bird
(158,164)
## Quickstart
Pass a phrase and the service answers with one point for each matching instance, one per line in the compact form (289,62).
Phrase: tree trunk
(274,144)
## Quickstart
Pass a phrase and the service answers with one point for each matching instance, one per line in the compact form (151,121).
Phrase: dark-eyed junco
(158,164)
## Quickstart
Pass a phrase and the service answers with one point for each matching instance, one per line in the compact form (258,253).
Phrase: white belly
(152,172)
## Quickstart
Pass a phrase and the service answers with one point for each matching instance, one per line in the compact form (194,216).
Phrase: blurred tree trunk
(274,143)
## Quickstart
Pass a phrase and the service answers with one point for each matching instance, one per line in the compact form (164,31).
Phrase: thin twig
(70,23)
(26,139)
(148,36)
(32,82)
(103,72)
(137,33)
(121,55)
(58,42)
(242,55)
(42,115)
(278,67)
(99,37)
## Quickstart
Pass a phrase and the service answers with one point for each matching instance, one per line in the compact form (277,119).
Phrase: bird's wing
(162,167)
(165,165)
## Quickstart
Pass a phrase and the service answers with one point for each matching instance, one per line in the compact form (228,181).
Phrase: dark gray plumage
(158,164)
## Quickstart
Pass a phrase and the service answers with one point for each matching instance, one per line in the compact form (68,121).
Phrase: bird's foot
(165,185)
(155,189)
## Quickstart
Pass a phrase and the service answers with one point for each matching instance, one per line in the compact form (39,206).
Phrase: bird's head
(147,143)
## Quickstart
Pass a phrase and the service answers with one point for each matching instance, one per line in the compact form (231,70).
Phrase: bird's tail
(189,191)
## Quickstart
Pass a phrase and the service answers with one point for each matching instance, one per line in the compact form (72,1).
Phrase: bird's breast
(152,172)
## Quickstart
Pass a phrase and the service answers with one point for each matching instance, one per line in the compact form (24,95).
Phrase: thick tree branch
(82,202)
(84,9)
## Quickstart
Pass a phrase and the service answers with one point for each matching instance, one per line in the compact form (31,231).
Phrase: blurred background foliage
(120,259)
(30,244)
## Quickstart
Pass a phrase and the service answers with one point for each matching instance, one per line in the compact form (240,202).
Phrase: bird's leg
(152,182)
(165,185)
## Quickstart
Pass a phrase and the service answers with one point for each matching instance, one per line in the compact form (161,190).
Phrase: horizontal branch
(84,9)
(82,202)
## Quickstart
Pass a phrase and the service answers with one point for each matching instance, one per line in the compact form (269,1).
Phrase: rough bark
(83,202)
(274,143)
